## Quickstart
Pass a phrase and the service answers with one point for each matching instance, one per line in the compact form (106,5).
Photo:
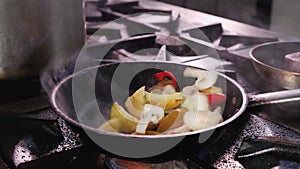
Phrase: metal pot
(32,32)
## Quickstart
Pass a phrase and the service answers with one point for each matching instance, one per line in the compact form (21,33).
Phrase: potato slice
(171,121)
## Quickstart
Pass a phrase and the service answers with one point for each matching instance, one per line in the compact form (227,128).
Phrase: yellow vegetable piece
(112,125)
(127,123)
(171,121)
(212,89)
(135,103)
(165,101)
(139,95)
(134,108)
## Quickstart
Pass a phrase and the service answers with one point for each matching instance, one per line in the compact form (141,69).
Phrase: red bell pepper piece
(165,74)
(216,99)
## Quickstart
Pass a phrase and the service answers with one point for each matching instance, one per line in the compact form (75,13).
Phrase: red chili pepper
(165,74)
(216,99)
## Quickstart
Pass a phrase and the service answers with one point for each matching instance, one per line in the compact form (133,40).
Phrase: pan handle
(274,97)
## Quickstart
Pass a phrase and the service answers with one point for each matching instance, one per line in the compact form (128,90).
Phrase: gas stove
(34,136)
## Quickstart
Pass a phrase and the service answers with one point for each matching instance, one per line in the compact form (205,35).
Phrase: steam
(57,69)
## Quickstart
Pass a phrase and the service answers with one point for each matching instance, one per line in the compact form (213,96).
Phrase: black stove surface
(43,139)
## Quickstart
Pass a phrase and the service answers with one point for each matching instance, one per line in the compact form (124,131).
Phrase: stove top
(41,138)
(34,136)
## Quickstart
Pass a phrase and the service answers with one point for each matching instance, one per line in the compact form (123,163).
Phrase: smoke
(57,69)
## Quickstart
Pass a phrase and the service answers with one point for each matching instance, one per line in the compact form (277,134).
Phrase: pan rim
(267,65)
(76,123)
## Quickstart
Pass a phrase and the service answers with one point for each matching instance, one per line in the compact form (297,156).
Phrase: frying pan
(268,60)
(85,98)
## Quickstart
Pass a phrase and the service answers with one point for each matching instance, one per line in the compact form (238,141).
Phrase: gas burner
(179,164)
(174,45)
(34,138)
(212,31)
(270,152)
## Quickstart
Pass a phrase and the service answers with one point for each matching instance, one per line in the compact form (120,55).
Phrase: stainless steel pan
(87,104)
(268,60)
